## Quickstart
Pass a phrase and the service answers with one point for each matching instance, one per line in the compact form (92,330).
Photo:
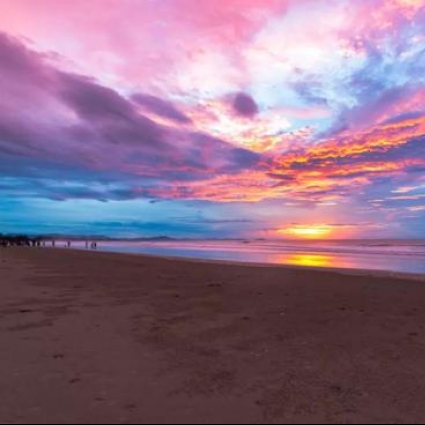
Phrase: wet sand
(96,337)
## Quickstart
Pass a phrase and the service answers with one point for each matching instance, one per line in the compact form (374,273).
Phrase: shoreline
(340,271)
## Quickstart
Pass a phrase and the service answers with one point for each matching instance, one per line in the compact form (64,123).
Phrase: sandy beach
(96,337)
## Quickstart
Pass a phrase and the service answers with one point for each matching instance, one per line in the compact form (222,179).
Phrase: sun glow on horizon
(308,231)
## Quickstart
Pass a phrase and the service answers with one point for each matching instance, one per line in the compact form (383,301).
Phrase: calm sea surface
(395,256)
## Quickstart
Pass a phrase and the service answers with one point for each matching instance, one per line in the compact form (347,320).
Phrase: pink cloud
(161,35)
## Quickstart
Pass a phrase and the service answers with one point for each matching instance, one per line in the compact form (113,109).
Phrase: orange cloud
(325,172)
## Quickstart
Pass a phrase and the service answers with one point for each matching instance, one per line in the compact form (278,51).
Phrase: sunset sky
(213,118)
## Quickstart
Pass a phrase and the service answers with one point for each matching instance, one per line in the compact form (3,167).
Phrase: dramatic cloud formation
(256,113)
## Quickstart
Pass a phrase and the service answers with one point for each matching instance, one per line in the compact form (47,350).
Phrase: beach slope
(96,337)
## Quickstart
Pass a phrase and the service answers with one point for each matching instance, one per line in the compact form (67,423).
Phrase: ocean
(394,256)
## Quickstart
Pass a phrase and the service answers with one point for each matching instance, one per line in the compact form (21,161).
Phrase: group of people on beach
(93,245)
(89,245)
(9,241)
(26,241)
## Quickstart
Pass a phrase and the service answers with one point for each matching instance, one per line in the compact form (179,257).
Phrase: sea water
(388,255)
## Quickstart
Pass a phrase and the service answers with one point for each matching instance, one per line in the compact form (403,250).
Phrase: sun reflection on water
(308,260)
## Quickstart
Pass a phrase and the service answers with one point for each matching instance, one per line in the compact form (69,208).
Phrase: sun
(308,231)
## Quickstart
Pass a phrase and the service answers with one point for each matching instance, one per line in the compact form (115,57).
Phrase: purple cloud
(245,105)
(57,125)
(161,108)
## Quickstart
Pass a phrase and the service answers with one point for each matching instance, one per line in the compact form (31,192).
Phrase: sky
(224,118)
